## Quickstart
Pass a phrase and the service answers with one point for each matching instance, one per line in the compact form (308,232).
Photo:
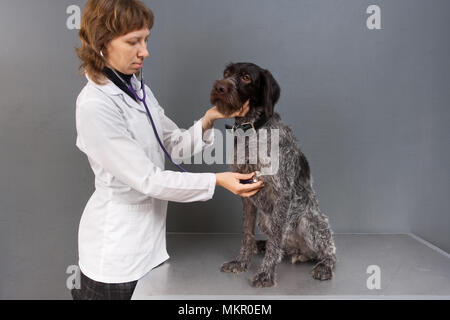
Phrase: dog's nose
(220,88)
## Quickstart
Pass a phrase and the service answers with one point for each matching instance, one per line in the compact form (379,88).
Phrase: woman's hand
(214,114)
(230,181)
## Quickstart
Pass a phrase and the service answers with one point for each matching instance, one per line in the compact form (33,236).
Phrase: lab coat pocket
(131,228)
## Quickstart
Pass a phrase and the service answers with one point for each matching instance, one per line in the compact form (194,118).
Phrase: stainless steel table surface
(410,268)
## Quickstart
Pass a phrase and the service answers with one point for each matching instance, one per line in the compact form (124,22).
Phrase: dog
(286,209)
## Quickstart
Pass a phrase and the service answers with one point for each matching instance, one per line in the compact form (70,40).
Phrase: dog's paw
(322,272)
(263,279)
(234,266)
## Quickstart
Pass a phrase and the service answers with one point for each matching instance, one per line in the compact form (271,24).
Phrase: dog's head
(245,81)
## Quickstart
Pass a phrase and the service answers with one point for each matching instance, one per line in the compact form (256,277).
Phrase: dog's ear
(271,92)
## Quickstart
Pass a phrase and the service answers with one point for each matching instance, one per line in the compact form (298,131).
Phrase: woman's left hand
(214,113)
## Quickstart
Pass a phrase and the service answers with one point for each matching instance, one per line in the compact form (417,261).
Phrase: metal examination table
(410,268)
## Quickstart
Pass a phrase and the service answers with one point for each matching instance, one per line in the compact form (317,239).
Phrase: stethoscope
(254,179)
(130,87)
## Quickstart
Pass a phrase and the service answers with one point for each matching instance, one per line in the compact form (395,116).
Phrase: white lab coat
(122,230)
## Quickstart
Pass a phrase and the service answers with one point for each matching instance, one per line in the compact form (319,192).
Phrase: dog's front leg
(265,277)
(248,247)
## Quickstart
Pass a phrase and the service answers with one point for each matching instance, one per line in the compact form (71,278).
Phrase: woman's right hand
(230,181)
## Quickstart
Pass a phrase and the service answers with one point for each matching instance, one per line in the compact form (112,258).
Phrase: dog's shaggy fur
(286,209)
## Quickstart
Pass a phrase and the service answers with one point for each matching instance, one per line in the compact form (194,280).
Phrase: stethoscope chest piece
(253,179)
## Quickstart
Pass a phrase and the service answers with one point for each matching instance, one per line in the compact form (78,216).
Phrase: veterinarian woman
(122,230)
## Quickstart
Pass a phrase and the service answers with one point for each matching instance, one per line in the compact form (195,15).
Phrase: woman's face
(127,53)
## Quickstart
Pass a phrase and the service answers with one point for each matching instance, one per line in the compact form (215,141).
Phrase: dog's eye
(226,74)
(246,78)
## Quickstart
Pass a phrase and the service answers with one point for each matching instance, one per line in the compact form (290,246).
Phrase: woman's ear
(271,92)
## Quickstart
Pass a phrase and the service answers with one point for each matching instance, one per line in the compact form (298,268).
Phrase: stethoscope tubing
(151,118)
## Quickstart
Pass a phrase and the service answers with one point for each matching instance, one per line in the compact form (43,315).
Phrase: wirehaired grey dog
(286,209)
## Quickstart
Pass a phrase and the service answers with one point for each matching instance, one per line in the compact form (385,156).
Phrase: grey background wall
(369,107)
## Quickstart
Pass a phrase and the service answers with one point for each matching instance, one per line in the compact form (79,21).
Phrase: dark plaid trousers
(94,290)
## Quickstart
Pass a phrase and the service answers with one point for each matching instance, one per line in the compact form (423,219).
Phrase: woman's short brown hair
(103,21)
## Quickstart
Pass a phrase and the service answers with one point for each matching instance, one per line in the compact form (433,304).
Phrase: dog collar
(248,125)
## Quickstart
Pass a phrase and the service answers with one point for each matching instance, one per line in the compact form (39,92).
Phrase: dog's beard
(228,104)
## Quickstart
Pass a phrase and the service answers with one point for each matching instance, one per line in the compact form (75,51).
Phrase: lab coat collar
(111,89)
